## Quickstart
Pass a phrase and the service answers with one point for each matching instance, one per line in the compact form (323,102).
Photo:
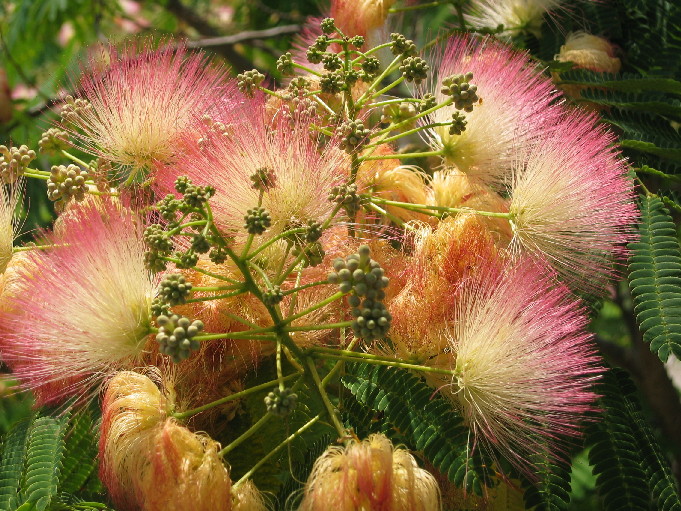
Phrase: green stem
(354,356)
(391,67)
(323,303)
(399,125)
(415,7)
(326,326)
(215,297)
(372,50)
(306,69)
(389,216)
(274,451)
(387,88)
(26,248)
(406,133)
(247,334)
(271,93)
(232,397)
(442,209)
(246,434)
(393,102)
(218,288)
(75,159)
(36,176)
(399,156)
(330,410)
(275,239)
(305,286)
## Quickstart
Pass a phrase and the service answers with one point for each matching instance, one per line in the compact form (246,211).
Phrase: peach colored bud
(589,52)
(148,461)
(369,475)
(6,107)
(455,189)
(358,17)
(392,181)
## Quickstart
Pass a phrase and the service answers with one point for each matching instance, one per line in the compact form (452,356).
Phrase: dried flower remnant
(524,363)
(134,112)
(88,311)
(514,107)
(9,198)
(572,203)
(370,475)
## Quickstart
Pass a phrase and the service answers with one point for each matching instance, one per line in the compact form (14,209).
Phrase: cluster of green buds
(257,220)
(67,182)
(249,81)
(175,289)
(398,112)
(53,140)
(364,278)
(347,196)
(14,161)
(273,296)
(73,109)
(158,238)
(353,136)
(459,88)
(281,401)
(176,336)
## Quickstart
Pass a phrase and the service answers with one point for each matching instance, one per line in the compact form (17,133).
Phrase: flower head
(515,15)
(572,203)
(514,108)
(278,159)
(150,462)
(589,52)
(84,305)
(133,112)
(369,475)
(523,362)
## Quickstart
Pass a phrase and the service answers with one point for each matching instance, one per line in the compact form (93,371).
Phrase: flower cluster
(279,229)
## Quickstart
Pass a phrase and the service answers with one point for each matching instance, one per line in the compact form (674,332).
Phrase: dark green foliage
(552,491)
(630,467)
(50,464)
(426,422)
(655,279)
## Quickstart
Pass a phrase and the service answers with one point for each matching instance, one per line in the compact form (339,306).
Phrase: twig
(245,36)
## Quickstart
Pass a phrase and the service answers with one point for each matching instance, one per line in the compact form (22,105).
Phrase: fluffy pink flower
(302,175)
(83,309)
(516,15)
(142,101)
(514,108)
(524,364)
(572,203)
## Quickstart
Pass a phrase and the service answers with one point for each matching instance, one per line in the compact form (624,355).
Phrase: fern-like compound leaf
(655,279)
(427,423)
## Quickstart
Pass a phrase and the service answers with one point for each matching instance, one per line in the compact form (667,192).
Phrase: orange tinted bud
(369,475)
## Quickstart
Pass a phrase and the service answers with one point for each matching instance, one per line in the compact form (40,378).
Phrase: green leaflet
(624,82)
(42,463)
(624,453)
(12,463)
(427,423)
(655,279)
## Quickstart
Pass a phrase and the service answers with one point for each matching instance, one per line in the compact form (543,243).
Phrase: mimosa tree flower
(514,108)
(133,112)
(524,364)
(9,199)
(84,307)
(369,475)
(572,204)
(589,52)
(277,159)
(360,17)
(149,461)
(515,15)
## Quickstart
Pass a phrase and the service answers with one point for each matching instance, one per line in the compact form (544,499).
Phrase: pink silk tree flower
(514,107)
(524,364)
(279,158)
(84,305)
(133,112)
(369,475)
(572,203)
